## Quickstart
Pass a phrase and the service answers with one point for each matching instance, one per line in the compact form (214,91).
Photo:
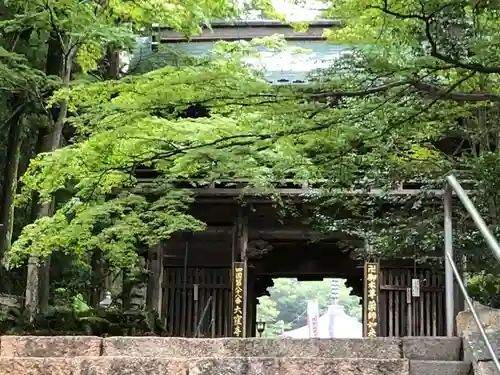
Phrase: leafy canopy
(139,122)
(417,77)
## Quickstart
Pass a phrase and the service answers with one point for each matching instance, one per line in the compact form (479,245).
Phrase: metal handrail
(451,270)
(473,311)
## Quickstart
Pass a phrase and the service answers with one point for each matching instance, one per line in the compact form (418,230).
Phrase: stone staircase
(177,356)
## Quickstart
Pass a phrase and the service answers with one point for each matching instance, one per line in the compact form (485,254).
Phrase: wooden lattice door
(401,313)
(197,301)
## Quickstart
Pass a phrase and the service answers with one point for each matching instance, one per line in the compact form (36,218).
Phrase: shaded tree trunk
(58,63)
(10,176)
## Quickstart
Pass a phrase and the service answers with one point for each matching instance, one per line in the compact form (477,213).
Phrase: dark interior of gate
(198,292)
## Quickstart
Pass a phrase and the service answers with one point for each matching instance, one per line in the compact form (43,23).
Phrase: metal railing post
(448,250)
(468,300)
(451,270)
(476,216)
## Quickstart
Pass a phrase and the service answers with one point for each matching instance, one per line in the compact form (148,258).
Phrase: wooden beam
(292,189)
(272,233)
(247,30)
(305,192)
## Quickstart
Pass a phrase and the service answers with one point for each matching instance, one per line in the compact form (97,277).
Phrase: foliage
(267,311)
(73,37)
(70,321)
(139,122)
(414,99)
(435,116)
(485,288)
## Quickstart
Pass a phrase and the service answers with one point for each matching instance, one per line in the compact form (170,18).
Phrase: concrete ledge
(380,348)
(432,348)
(198,366)
(50,346)
(474,347)
(439,368)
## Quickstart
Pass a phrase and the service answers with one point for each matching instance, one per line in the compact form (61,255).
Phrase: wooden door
(209,314)
(401,314)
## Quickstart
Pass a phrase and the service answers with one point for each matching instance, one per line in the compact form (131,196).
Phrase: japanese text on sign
(371,299)
(238,300)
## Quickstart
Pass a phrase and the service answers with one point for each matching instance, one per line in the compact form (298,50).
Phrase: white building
(334,324)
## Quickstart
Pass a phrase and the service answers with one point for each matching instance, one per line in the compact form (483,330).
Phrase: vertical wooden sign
(238,299)
(370,323)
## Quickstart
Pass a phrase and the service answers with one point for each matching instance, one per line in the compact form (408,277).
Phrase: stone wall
(30,355)
(428,348)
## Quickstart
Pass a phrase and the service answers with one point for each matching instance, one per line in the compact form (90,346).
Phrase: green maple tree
(419,75)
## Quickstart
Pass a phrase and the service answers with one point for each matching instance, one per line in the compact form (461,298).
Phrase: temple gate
(212,279)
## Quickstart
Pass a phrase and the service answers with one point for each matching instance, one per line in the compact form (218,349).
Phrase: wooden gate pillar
(370,300)
(251,306)
(155,282)
(239,275)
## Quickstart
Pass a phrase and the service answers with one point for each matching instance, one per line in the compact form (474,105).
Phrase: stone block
(92,366)
(488,316)
(161,347)
(475,348)
(297,366)
(378,348)
(418,367)
(388,348)
(39,366)
(263,347)
(50,346)
(201,366)
(343,366)
(432,348)
(234,366)
(132,366)
(485,368)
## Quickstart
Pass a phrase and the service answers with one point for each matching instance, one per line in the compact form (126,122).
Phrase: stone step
(418,367)
(202,366)
(418,348)
(432,348)
(252,347)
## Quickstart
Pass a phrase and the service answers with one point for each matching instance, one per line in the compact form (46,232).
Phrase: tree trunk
(95,295)
(57,63)
(10,178)
(102,278)
(113,64)
(44,275)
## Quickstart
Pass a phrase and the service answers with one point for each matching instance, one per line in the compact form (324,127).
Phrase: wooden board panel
(405,315)
(197,301)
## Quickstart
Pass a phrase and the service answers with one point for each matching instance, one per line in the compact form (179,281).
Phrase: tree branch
(460,97)
(427,20)
(427,89)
